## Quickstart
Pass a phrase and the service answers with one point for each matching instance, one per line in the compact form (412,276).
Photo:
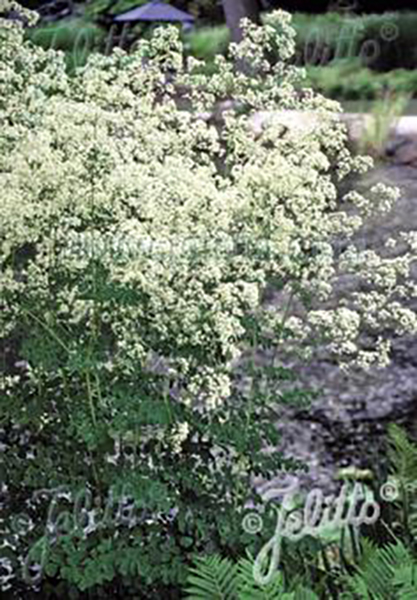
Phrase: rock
(402,145)
(291,120)
(356,124)
(406,126)
(394,144)
(403,151)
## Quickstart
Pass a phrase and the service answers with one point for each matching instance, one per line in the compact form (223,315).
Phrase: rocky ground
(346,425)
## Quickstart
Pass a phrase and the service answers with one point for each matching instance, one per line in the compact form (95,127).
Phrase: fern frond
(377,571)
(405,581)
(402,453)
(212,578)
(302,593)
(368,548)
(412,509)
(249,589)
(359,589)
(403,457)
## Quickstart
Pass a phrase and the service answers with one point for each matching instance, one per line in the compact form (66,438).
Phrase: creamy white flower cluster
(119,151)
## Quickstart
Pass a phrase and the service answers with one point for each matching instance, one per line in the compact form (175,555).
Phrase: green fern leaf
(302,593)
(405,580)
(212,578)
(249,589)
(378,567)
(402,453)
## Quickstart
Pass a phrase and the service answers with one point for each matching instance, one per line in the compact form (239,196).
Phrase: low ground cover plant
(347,562)
(137,243)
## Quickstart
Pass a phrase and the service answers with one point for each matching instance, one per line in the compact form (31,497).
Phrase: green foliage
(66,34)
(382,118)
(206,43)
(394,34)
(388,569)
(95,8)
(336,51)
(332,37)
(325,37)
(214,578)
(331,46)
(387,573)
(382,42)
(323,567)
(77,37)
(348,80)
(402,454)
(122,6)
(403,457)
(127,395)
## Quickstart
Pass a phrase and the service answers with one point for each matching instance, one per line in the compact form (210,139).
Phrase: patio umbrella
(156,10)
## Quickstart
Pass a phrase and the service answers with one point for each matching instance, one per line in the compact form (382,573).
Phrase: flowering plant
(137,241)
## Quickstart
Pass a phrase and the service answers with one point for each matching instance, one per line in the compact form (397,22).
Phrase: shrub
(77,37)
(206,43)
(394,35)
(323,38)
(348,80)
(381,42)
(137,241)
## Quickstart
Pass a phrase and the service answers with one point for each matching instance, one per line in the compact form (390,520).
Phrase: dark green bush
(396,42)
(382,42)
